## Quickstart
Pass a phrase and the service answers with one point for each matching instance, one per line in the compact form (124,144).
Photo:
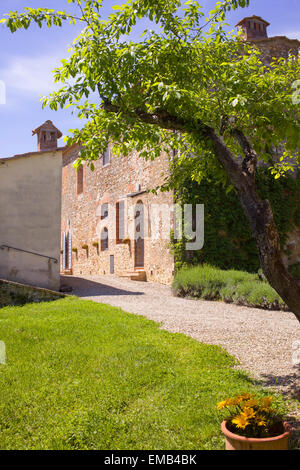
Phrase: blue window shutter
(70,250)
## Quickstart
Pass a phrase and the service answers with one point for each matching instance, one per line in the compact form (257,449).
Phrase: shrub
(242,288)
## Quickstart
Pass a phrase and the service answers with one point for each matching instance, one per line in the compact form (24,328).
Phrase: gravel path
(261,340)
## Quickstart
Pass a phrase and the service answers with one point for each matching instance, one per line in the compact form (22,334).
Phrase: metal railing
(2,247)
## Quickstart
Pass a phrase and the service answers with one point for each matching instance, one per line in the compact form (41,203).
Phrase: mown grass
(242,288)
(81,375)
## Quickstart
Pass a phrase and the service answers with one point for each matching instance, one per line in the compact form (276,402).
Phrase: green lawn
(81,375)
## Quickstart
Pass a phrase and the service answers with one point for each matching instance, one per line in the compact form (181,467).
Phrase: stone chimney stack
(47,135)
(254,28)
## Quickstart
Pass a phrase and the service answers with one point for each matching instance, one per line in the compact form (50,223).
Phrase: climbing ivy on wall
(228,240)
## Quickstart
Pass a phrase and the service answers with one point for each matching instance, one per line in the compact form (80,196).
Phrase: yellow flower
(241,421)
(260,421)
(266,402)
(248,413)
(224,404)
(245,396)
(239,399)
(221,405)
(250,403)
(235,401)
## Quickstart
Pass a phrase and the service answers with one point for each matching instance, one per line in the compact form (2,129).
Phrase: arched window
(104,239)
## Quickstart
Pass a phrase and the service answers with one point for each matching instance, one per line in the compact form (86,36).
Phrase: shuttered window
(120,221)
(80,180)
(67,251)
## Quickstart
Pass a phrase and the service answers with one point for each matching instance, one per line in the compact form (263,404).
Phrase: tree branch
(165,120)
(250,161)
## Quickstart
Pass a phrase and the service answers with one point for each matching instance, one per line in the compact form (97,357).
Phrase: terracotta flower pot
(236,442)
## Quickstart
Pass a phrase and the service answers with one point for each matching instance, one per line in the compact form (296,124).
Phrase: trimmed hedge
(238,287)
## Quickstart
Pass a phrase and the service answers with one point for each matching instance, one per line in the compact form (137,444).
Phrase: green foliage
(82,375)
(188,68)
(228,239)
(210,283)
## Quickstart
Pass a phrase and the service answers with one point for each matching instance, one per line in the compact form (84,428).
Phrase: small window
(106,156)
(52,136)
(120,221)
(104,211)
(104,239)
(80,180)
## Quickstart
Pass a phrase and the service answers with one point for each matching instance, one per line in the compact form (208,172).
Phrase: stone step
(137,275)
(67,272)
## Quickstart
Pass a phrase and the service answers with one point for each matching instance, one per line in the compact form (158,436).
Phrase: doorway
(139,242)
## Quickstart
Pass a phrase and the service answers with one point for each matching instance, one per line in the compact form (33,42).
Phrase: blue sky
(28,57)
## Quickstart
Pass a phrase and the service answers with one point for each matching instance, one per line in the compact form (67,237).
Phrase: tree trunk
(265,232)
(259,213)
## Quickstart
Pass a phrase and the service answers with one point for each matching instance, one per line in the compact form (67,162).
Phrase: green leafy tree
(186,85)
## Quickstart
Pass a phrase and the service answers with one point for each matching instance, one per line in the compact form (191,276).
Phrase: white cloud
(30,75)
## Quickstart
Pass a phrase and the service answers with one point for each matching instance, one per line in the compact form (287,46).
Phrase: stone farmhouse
(104,221)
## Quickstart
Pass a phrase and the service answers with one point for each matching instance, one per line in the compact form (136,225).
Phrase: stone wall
(18,294)
(125,179)
(277,46)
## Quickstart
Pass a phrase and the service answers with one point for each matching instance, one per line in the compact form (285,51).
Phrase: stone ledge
(13,293)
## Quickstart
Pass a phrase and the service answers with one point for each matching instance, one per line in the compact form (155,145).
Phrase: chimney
(47,135)
(254,28)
